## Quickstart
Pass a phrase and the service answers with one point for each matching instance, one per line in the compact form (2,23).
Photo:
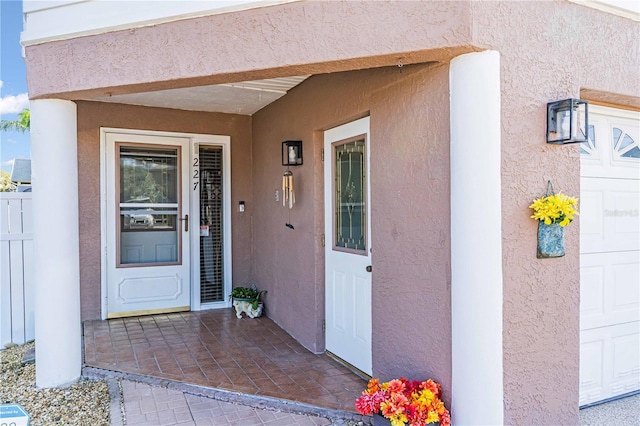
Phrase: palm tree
(22,124)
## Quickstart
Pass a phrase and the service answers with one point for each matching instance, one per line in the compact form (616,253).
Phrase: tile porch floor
(215,349)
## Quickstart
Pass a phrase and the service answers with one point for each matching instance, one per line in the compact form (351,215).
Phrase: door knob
(369,268)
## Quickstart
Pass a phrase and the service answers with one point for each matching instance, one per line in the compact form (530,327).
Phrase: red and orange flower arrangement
(404,402)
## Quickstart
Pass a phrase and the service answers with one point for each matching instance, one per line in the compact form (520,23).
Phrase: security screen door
(148,265)
(210,193)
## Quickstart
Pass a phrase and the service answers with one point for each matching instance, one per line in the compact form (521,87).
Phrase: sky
(13,82)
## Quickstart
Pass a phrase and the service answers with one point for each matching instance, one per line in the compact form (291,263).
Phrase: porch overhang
(284,41)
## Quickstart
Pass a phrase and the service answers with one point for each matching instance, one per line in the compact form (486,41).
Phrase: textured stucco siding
(92,116)
(409,212)
(549,51)
(260,43)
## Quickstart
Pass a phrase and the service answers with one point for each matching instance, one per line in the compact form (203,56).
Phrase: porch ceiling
(245,97)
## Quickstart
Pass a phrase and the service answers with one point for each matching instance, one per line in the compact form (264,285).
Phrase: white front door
(348,244)
(610,256)
(147,224)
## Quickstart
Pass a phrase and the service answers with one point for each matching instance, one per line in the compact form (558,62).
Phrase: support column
(476,240)
(56,242)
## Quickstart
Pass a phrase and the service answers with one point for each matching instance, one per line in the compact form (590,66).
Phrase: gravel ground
(84,403)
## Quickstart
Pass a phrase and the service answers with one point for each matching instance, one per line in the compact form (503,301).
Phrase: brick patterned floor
(153,406)
(215,349)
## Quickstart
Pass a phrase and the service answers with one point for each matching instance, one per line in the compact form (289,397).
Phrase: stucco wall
(549,51)
(92,116)
(299,38)
(409,218)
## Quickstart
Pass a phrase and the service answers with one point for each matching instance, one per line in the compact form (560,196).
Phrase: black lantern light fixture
(567,121)
(292,153)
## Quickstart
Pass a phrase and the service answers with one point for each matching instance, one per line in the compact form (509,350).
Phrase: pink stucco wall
(92,116)
(300,38)
(409,219)
(549,50)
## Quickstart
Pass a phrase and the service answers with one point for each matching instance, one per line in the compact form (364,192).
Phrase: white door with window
(348,244)
(610,255)
(147,224)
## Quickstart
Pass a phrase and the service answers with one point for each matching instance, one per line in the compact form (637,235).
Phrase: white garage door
(610,256)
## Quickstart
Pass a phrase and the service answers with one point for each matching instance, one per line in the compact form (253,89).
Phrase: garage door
(610,256)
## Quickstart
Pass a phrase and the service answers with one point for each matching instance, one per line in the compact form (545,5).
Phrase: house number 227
(196,173)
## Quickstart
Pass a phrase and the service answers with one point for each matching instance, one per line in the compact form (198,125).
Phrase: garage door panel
(593,158)
(625,217)
(626,282)
(591,369)
(614,146)
(626,359)
(591,218)
(609,215)
(609,289)
(624,149)
(609,362)
(592,298)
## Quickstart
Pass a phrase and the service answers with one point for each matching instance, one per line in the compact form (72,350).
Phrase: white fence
(17,280)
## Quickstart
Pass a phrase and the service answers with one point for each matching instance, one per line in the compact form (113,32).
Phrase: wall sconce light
(567,121)
(292,153)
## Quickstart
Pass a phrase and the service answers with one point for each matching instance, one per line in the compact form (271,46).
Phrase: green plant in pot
(248,300)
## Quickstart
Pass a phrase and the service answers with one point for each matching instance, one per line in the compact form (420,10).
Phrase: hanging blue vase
(550,240)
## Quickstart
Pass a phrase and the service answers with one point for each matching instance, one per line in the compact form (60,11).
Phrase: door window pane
(148,208)
(148,175)
(350,196)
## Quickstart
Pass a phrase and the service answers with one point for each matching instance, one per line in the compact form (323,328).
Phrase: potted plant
(247,300)
(404,402)
(553,212)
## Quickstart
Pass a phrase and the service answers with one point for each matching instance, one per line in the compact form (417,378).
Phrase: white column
(56,238)
(476,240)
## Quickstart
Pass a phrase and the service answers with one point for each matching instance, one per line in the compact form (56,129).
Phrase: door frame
(225,143)
(195,140)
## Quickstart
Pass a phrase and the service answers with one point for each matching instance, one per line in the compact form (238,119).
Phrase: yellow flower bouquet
(554,209)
